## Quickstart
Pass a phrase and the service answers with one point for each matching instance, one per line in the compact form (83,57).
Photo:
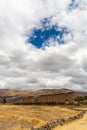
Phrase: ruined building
(59,98)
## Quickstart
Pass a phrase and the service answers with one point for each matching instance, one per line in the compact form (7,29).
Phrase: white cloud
(58,66)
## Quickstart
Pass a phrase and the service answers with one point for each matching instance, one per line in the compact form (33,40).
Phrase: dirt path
(80,124)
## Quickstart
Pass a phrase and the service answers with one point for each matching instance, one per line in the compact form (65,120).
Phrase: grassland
(80,124)
(20,117)
(75,125)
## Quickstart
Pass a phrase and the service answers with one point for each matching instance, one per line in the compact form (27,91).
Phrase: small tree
(79,98)
(4,100)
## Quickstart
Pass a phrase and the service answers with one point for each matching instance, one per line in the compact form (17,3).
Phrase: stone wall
(50,125)
(27,100)
(60,98)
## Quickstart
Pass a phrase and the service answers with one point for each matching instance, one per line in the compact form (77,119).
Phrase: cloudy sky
(43,44)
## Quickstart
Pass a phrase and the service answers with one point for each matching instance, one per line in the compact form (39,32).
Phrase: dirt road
(80,124)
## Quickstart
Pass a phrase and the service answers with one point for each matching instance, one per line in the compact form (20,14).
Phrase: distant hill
(12,95)
(78,93)
(15,95)
(12,92)
(51,91)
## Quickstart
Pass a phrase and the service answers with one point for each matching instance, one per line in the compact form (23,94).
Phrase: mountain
(15,95)
(12,95)
(12,92)
(78,93)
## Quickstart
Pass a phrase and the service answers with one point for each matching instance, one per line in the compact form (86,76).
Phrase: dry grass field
(21,117)
(80,124)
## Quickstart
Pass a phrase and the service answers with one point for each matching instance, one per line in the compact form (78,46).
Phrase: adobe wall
(61,98)
(27,100)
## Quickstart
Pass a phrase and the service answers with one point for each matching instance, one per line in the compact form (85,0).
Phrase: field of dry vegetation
(21,117)
(80,124)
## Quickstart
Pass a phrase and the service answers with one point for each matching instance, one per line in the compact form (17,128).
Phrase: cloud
(24,66)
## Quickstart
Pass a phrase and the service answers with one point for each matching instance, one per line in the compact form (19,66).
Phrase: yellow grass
(21,117)
(80,124)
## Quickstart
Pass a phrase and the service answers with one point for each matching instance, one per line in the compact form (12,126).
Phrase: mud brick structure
(59,98)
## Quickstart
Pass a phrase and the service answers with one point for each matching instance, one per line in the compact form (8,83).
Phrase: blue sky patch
(73,5)
(47,31)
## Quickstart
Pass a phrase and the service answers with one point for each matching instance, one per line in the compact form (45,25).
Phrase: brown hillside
(16,95)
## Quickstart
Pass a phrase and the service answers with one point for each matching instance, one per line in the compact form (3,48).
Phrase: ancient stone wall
(60,98)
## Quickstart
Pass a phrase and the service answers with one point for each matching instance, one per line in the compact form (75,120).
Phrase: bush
(79,98)
(4,100)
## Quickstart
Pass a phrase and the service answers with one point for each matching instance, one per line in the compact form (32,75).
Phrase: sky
(43,44)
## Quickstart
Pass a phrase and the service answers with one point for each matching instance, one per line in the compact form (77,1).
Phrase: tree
(79,98)
(4,100)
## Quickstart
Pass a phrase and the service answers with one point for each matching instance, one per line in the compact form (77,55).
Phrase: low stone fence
(50,125)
